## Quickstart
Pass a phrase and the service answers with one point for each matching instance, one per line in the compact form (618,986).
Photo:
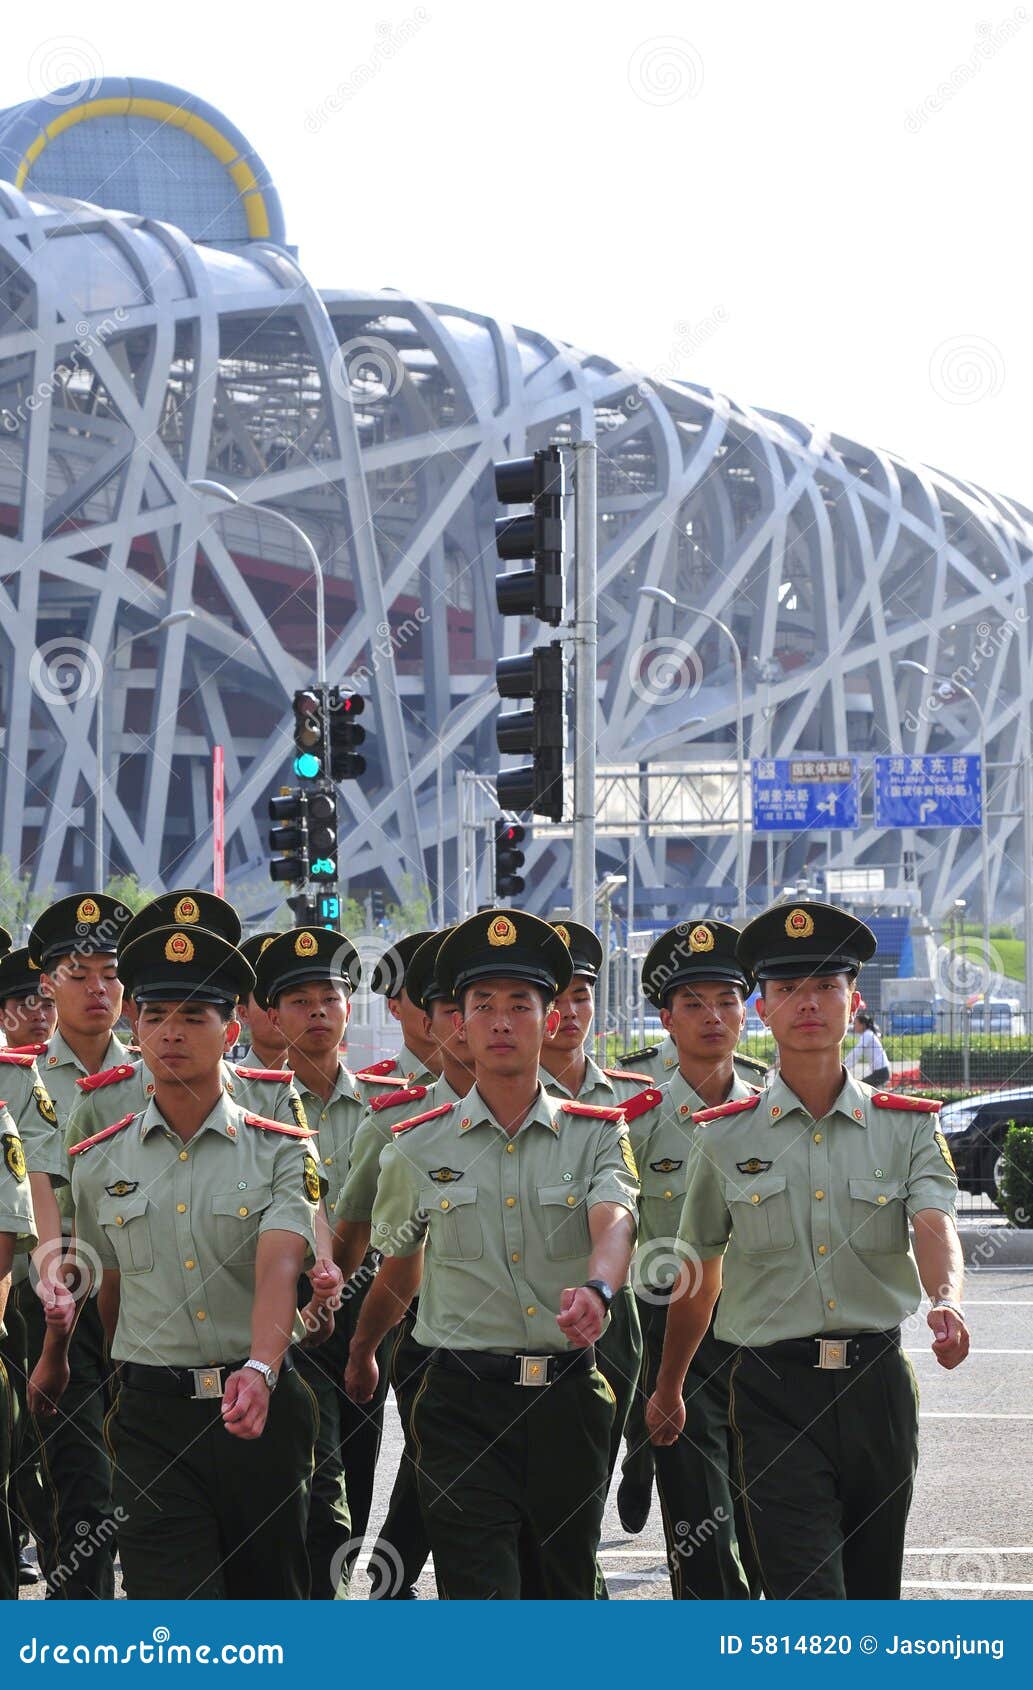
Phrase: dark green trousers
(347,1447)
(24,1473)
(512,1483)
(403,1546)
(204,1514)
(700,1505)
(638,1464)
(619,1358)
(8,1524)
(827,1463)
(72,1508)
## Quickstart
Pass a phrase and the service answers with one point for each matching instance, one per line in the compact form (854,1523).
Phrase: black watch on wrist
(605,1291)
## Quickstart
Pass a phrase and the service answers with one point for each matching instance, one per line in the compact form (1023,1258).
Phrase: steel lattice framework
(137,355)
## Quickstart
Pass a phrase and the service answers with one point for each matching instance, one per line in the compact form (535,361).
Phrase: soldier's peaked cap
(504,944)
(184,964)
(791,941)
(17,979)
(86,924)
(694,950)
(185,908)
(421,980)
(391,971)
(302,955)
(586,952)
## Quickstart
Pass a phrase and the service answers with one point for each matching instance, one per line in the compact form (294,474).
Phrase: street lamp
(609,884)
(217,490)
(665,597)
(946,685)
(168,621)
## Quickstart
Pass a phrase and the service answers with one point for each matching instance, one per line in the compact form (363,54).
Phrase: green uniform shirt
(16,1216)
(662,1139)
(335,1122)
(354,1201)
(32,1108)
(660,1062)
(504,1220)
(61,1068)
(276,1099)
(608,1086)
(811,1216)
(181,1224)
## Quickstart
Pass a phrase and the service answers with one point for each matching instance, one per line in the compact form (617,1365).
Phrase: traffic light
(309,734)
(322,835)
(289,836)
(304,911)
(346,734)
(376,906)
(509,837)
(541,731)
(538,482)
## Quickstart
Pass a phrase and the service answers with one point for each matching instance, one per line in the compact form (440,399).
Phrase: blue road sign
(801,794)
(928,792)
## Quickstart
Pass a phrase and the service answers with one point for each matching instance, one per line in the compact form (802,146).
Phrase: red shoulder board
(414,1121)
(276,1126)
(377,1069)
(30,1050)
(17,1058)
(625,1074)
(641,1103)
(734,1108)
(894,1100)
(599,1111)
(391,1099)
(106,1077)
(283,1074)
(77,1149)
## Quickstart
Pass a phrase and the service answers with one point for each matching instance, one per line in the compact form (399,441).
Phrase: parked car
(910,1015)
(997,1015)
(976,1127)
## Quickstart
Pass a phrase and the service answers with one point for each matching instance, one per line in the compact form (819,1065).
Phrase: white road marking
(958,1584)
(929,1353)
(944,1549)
(975,1416)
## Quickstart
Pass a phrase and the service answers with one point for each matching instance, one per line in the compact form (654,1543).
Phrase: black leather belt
(201,1383)
(515,1370)
(834,1351)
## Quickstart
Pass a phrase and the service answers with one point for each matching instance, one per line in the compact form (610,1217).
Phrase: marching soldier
(17,1233)
(28,1017)
(201,1215)
(802,1194)
(72,946)
(414,1064)
(305,979)
(519,1211)
(268,1049)
(700,989)
(569,1070)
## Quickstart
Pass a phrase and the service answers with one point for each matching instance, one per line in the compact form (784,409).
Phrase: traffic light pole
(585,657)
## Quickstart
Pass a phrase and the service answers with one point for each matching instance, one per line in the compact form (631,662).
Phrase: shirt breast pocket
(665,1185)
(237,1222)
(762,1220)
(878,1218)
(454,1224)
(128,1227)
(565,1220)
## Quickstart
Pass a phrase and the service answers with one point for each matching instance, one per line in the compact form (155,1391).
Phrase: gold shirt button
(181,1208)
(532,1309)
(570,1202)
(201,1315)
(668,1193)
(755,1198)
(817,1138)
(823,1249)
(242,1211)
(190,1263)
(510,1149)
(510,1202)
(819,1195)
(182,1155)
(881,1199)
(516,1256)
(832,1302)
(445,1204)
(119,1221)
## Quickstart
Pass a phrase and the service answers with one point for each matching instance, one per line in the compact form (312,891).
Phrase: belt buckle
(207,1382)
(833,1354)
(534,1370)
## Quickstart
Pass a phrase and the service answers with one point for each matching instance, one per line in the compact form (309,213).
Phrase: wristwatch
(945,1303)
(605,1291)
(268,1373)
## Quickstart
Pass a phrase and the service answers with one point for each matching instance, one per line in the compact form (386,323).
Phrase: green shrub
(990,1062)
(1017,1177)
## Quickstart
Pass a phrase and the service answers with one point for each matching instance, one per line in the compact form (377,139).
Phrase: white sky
(776,169)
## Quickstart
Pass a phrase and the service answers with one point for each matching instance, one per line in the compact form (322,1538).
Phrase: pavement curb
(988,1245)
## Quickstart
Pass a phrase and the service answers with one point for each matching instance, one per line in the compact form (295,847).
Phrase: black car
(976,1127)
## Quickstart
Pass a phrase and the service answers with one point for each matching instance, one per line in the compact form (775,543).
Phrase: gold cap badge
(564,935)
(264,946)
(186,911)
(88,911)
(306,944)
(179,948)
(502,931)
(799,925)
(701,938)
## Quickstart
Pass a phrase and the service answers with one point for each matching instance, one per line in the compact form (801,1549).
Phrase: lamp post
(604,897)
(169,621)
(946,685)
(217,490)
(665,597)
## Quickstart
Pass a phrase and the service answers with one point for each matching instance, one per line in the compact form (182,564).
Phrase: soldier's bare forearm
(350,1243)
(689,1314)
(941,1265)
(613,1238)
(47,1256)
(387,1300)
(278,1263)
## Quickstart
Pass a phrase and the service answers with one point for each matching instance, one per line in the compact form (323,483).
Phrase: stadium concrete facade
(156,327)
